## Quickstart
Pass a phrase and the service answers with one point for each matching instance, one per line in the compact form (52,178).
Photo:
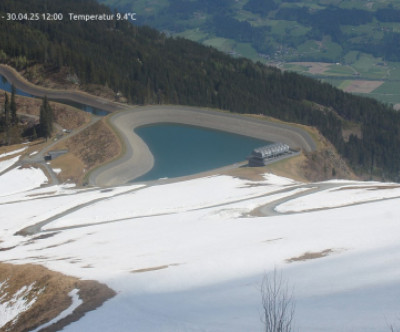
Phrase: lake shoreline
(138,159)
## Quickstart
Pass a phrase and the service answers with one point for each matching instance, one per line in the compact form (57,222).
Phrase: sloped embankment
(31,296)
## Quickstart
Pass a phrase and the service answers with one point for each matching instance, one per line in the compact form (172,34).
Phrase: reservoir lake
(181,150)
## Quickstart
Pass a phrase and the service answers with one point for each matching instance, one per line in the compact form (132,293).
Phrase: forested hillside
(149,67)
(271,26)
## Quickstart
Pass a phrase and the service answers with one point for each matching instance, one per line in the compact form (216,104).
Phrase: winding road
(137,158)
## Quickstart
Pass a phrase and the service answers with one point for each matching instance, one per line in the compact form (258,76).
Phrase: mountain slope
(194,259)
(148,67)
(278,28)
(352,44)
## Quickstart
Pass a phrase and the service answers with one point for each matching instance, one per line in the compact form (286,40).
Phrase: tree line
(148,67)
(10,130)
(8,119)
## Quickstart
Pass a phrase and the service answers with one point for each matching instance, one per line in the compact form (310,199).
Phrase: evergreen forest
(148,67)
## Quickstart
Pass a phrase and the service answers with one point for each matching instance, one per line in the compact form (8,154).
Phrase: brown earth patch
(48,193)
(6,248)
(9,148)
(310,255)
(325,164)
(88,149)
(293,168)
(155,268)
(247,173)
(72,168)
(381,187)
(362,86)
(44,236)
(51,292)
(66,116)
(290,168)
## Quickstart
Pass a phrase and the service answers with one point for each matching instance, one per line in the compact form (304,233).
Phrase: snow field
(21,179)
(186,255)
(171,198)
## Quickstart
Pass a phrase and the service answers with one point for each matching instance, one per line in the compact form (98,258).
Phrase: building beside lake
(265,154)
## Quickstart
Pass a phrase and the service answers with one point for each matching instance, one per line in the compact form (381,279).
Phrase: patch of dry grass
(10,148)
(51,292)
(247,173)
(154,268)
(89,149)
(362,86)
(310,255)
(290,168)
(323,164)
(381,187)
(72,168)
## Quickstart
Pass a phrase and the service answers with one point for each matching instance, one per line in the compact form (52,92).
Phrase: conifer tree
(7,118)
(34,134)
(46,119)
(6,110)
(13,106)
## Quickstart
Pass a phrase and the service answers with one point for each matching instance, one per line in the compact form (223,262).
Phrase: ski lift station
(264,155)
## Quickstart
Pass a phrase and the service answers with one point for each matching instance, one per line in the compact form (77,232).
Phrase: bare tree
(394,327)
(278,303)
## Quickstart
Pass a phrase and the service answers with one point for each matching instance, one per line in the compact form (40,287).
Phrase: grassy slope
(51,292)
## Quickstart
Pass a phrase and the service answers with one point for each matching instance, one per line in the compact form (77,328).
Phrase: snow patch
(9,310)
(11,153)
(342,196)
(8,163)
(21,179)
(57,170)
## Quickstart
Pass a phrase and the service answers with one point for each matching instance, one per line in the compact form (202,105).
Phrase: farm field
(360,36)
(366,76)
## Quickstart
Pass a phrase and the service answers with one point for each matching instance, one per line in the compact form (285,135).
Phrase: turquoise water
(83,107)
(181,150)
(4,85)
